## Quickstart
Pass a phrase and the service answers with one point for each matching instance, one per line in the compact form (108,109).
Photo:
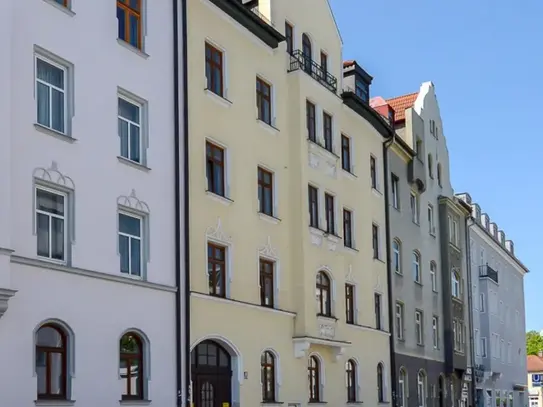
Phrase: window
(483,347)
(348,228)
(129,123)
(395,191)
(130,244)
(362,90)
(377,305)
(313,199)
(482,302)
(216,269)
(51,95)
(289,35)
(313,371)
(51,227)
(419,329)
(373,172)
(375,240)
(131,366)
(346,153)
(327,131)
(458,333)
(421,389)
(311,120)
(324,63)
(263,101)
(416,268)
(324,302)
(329,207)
(439,174)
(129,18)
(477,343)
(214,70)
(430,166)
(380,384)
(267,376)
(51,362)
(402,388)
(435,332)
(414,207)
(215,161)
(433,275)
(306,47)
(350,379)
(455,233)
(397,256)
(455,284)
(265,191)
(267,286)
(431,227)
(399,320)
(418,148)
(349,304)
(62,2)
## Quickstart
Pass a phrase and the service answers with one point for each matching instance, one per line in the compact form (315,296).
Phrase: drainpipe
(391,302)
(470,307)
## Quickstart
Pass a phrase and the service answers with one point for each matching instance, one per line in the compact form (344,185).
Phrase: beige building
(534,364)
(287,247)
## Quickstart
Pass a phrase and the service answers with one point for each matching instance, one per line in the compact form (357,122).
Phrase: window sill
(134,402)
(61,136)
(418,283)
(323,149)
(349,403)
(133,164)
(316,403)
(415,223)
(52,261)
(376,192)
(133,49)
(397,208)
(433,234)
(219,198)
(271,403)
(379,260)
(328,317)
(54,403)
(349,174)
(332,237)
(60,7)
(398,273)
(218,98)
(269,218)
(420,345)
(351,249)
(268,127)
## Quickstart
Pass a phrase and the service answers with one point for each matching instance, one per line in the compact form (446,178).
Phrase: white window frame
(65,219)
(482,304)
(435,332)
(421,389)
(130,237)
(477,342)
(455,233)
(403,385)
(483,347)
(377,184)
(414,202)
(275,201)
(224,97)
(433,276)
(397,256)
(431,227)
(273,112)
(419,327)
(455,285)
(416,262)
(395,181)
(399,320)
(378,229)
(140,125)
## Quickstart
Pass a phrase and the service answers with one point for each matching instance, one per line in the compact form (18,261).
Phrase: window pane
(41,371)
(135,257)
(134,143)
(123,135)
(42,94)
(57,109)
(43,235)
(129,344)
(124,253)
(134,30)
(218,179)
(134,377)
(49,73)
(50,337)
(129,110)
(49,202)
(121,17)
(57,238)
(129,225)
(55,359)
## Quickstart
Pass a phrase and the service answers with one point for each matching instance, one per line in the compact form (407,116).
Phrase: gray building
(428,266)
(499,331)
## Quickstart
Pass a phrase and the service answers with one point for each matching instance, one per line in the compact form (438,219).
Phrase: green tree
(534,342)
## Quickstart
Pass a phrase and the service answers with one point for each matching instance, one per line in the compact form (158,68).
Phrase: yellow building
(288,254)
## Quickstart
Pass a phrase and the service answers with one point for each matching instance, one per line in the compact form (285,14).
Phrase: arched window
(306,46)
(380,384)
(403,387)
(324,300)
(421,389)
(439,174)
(416,267)
(131,367)
(430,166)
(51,362)
(455,284)
(314,373)
(397,256)
(267,376)
(433,275)
(350,379)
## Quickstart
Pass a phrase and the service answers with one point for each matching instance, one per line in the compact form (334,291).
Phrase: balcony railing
(300,61)
(488,272)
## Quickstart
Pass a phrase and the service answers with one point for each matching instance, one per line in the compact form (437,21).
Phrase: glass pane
(49,202)
(223,359)
(134,143)
(57,110)
(56,361)
(41,371)
(134,30)
(129,225)
(129,110)
(130,344)
(43,235)
(218,279)
(124,253)
(135,257)
(57,238)
(217,80)
(42,94)
(50,337)
(268,201)
(134,377)
(49,73)
(123,135)
(135,4)
(218,180)
(121,17)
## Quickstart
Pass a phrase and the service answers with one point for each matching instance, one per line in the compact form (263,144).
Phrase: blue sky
(486,61)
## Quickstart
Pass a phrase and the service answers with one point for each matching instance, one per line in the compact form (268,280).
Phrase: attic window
(362,90)
(391,115)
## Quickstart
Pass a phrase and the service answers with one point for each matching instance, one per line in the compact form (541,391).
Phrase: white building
(87,237)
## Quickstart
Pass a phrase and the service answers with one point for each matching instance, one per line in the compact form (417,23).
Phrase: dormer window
(362,90)
(391,115)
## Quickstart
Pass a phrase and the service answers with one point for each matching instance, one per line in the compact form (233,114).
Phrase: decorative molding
(349,278)
(313,161)
(338,352)
(53,175)
(327,331)
(301,348)
(133,202)
(332,246)
(331,170)
(316,236)
(268,250)
(5,295)
(217,233)
(378,286)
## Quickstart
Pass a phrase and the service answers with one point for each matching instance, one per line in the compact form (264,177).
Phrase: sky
(485,59)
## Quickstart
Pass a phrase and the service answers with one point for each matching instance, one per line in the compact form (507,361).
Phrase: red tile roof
(348,63)
(401,103)
(534,363)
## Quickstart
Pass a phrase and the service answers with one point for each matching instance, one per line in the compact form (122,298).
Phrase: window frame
(397,256)
(313,206)
(66,92)
(214,261)
(362,90)
(212,162)
(419,327)
(65,218)
(375,241)
(373,172)
(399,320)
(350,308)
(435,332)
(139,125)
(431,227)
(415,210)
(315,380)
(213,67)
(261,97)
(346,156)
(328,131)
(403,385)
(324,286)
(380,383)
(130,11)
(421,389)
(377,299)
(348,240)
(311,120)
(267,274)
(433,275)
(416,267)
(395,186)
(139,357)
(289,37)
(351,380)
(455,285)
(264,186)
(130,237)
(48,351)
(330,213)
(324,64)
(268,363)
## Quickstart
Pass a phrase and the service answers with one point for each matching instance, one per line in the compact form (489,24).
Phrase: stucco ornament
(313,161)
(53,175)
(133,202)
(217,233)
(349,276)
(327,331)
(5,295)
(268,250)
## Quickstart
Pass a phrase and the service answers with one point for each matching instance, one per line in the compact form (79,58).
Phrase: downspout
(470,307)
(391,302)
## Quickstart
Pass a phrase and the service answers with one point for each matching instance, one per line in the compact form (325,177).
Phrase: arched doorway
(441,392)
(211,370)
(307,52)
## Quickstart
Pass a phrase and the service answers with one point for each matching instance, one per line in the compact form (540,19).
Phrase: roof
(401,103)
(534,363)
(348,63)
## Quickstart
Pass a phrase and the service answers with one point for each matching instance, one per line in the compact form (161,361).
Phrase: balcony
(300,61)
(488,272)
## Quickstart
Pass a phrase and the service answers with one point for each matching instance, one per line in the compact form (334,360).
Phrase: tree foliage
(534,342)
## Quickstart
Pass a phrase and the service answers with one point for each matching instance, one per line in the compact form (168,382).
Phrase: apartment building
(288,250)
(87,253)
(499,331)
(534,365)
(427,246)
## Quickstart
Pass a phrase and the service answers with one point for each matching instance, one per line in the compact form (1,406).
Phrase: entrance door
(211,375)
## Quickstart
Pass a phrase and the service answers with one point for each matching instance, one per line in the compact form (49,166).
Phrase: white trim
(146,358)
(226,167)
(225,72)
(416,260)
(277,370)
(433,275)
(275,189)
(273,104)
(328,272)
(143,124)
(65,217)
(399,251)
(419,321)
(140,238)
(322,373)
(401,315)
(435,331)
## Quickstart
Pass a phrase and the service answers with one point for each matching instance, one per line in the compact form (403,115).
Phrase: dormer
(464,197)
(356,80)
(501,237)
(381,106)
(476,211)
(493,229)
(485,221)
(510,246)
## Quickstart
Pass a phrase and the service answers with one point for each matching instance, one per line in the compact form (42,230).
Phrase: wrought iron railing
(300,61)
(488,272)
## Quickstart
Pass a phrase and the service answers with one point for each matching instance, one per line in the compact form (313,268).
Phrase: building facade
(87,249)
(499,331)
(534,364)
(427,247)
(288,276)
